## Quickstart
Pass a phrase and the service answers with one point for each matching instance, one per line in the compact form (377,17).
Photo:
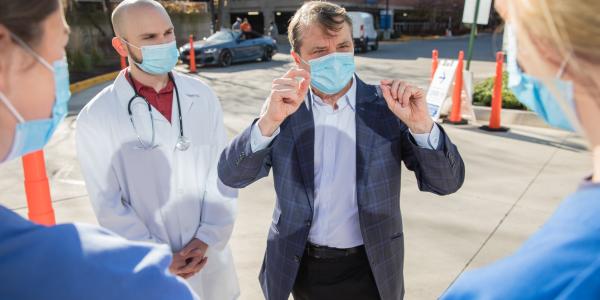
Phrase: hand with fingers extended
(409,104)
(287,94)
(189,260)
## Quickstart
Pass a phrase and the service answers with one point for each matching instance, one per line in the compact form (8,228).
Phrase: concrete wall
(269,9)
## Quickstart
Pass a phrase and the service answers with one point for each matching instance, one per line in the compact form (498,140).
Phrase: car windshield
(220,36)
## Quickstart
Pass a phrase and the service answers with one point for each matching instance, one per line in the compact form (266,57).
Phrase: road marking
(71,181)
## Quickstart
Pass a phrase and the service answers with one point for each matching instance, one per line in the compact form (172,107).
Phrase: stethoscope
(183,143)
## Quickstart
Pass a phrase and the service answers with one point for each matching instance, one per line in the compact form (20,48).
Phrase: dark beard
(133,57)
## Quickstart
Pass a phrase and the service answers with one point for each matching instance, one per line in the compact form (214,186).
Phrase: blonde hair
(572,26)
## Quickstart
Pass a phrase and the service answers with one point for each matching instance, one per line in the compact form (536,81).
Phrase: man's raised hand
(287,94)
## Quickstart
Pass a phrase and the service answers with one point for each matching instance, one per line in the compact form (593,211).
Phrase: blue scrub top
(560,261)
(77,261)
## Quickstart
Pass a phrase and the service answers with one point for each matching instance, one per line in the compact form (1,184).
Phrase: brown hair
(24,17)
(328,15)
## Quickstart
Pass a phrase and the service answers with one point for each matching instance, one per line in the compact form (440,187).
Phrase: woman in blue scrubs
(554,69)
(70,261)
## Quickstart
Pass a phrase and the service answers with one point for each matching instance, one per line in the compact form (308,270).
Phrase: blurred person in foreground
(66,261)
(554,66)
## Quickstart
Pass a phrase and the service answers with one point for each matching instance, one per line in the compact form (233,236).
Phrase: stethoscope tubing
(136,95)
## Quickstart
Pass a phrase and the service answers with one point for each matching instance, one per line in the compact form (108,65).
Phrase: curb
(410,38)
(510,117)
(87,83)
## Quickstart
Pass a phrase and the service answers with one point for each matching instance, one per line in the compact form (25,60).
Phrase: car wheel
(365,46)
(226,58)
(267,54)
(376,46)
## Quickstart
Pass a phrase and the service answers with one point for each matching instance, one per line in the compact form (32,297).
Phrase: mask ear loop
(310,90)
(130,54)
(11,108)
(32,52)
(569,108)
(3,97)
(563,66)
(130,44)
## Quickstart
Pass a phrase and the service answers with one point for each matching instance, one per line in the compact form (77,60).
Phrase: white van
(363,31)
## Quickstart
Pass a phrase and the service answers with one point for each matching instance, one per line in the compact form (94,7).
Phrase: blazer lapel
(303,131)
(186,94)
(368,114)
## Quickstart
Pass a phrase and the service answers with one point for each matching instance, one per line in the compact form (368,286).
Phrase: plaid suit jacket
(382,143)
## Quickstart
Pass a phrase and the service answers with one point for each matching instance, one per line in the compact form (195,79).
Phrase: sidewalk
(522,174)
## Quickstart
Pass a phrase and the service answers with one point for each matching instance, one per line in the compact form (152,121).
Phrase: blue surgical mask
(158,59)
(331,73)
(33,135)
(551,98)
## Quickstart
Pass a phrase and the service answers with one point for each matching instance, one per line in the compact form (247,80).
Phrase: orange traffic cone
(455,115)
(496,111)
(434,62)
(37,189)
(192,55)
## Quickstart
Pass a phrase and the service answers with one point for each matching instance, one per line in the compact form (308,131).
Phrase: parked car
(226,47)
(363,31)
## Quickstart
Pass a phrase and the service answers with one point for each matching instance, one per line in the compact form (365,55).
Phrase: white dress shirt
(335,216)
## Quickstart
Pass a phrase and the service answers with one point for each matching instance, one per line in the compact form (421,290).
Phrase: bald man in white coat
(149,145)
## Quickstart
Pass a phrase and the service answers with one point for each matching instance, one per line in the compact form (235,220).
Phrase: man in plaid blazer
(335,146)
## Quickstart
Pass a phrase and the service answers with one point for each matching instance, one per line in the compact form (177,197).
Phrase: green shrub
(482,94)
(96,55)
(79,61)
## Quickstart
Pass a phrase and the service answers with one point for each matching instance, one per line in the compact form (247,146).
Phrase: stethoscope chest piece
(183,143)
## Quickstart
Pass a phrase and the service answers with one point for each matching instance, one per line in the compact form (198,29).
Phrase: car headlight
(210,50)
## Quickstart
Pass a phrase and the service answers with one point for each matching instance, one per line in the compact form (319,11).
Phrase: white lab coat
(162,195)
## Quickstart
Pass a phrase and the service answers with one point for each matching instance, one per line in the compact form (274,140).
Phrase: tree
(221,14)
(108,9)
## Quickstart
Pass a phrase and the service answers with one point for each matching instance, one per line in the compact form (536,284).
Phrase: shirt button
(307,223)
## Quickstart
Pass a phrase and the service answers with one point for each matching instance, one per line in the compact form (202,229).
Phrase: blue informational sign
(385,20)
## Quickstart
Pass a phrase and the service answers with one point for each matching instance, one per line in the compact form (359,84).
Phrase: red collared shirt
(161,101)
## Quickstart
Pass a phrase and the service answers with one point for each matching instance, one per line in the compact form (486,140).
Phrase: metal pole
(472,37)
(387,6)
(211,8)
(387,15)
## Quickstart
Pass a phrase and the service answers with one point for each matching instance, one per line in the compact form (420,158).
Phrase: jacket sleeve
(80,261)
(440,171)
(219,207)
(103,187)
(239,166)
